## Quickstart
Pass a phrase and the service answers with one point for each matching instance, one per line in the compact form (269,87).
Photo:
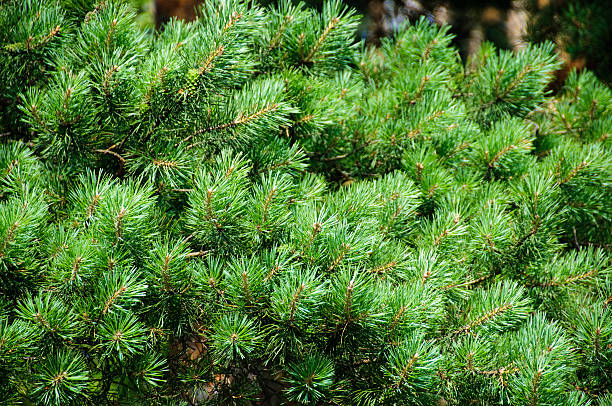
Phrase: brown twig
(113,153)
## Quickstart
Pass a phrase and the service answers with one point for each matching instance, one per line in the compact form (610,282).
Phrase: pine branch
(321,39)
(483,319)
(239,120)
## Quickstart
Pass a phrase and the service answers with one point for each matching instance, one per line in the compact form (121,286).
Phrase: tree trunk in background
(166,9)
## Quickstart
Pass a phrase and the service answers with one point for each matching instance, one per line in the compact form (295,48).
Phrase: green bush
(251,208)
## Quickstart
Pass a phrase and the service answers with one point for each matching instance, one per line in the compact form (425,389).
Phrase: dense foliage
(252,209)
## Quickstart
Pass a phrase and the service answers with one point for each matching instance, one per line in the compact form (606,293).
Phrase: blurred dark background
(581,29)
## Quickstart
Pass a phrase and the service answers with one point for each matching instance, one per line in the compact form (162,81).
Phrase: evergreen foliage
(251,208)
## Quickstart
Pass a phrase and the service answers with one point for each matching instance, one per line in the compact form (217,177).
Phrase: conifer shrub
(252,209)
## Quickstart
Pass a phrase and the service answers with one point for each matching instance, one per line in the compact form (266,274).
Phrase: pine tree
(252,208)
